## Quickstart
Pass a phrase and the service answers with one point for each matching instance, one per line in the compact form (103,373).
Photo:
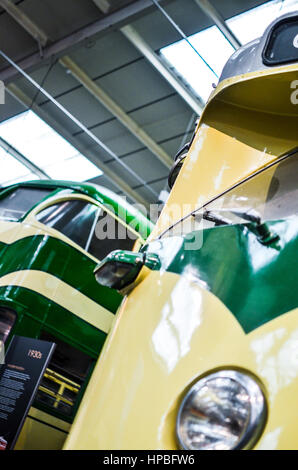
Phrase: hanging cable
(179,30)
(77,122)
(42,83)
(188,130)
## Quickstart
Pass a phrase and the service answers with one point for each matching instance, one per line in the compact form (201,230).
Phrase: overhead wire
(183,35)
(78,123)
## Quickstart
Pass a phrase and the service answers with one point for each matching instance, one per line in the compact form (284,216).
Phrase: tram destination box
(25,362)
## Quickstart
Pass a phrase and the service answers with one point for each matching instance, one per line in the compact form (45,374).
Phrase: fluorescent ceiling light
(37,141)
(215,48)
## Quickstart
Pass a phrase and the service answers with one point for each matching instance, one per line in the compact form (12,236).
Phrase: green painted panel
(256,282)
(51,255)
(100,194)
(36,312)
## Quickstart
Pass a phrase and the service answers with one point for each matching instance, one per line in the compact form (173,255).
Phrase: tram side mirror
(121,268)
(179,160)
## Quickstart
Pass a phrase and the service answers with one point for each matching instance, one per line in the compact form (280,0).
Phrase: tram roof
(123,209)
(250,58)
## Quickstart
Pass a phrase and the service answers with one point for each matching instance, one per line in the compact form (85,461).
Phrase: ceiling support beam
(136,39)
(24,160)
(17,92)
(96,93)
(90,153)
(220,22)
(24,21)
(103,98)
(59,48)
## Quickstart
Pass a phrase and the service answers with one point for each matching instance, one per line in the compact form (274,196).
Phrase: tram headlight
(223,411)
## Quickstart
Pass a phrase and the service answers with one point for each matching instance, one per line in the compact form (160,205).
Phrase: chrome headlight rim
(252,384)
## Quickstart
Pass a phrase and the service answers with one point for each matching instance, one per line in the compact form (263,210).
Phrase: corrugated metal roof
(119,69)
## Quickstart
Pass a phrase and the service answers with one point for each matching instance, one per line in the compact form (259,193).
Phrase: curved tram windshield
(272,194)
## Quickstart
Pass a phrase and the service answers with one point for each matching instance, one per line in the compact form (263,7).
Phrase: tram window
(282,197)
(7,319)
(109,235)
(273,193)
(73,218)
(281,47)
(89,226)
(64,377)
(15,204)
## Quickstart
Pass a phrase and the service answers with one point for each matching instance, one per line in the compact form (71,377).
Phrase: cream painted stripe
(63,294)
(11,232)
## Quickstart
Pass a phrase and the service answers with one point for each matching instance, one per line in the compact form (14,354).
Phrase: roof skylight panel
(42,145)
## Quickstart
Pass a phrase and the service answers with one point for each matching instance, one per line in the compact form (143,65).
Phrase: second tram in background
(49,246)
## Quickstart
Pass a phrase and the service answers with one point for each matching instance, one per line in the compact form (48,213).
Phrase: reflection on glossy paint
(277,359)
(192,274)
(287,231)
(217,181)
(288,360)
(260,257)
(197,146)
(262,347)
(270,440)
(180,317)
(38,249)
(167,251)
(135,381)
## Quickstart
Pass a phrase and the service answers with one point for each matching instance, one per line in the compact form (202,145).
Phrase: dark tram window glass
(89,226)
(15,204)
(64,377)
(7,319)
(109,235)
(282,45)
(73,218)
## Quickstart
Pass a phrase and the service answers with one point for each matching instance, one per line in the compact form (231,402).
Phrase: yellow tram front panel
(248,122)
(140,390)
(229,304)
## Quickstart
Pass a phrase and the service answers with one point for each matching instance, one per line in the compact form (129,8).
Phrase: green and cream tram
(51,239)
(203,353)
